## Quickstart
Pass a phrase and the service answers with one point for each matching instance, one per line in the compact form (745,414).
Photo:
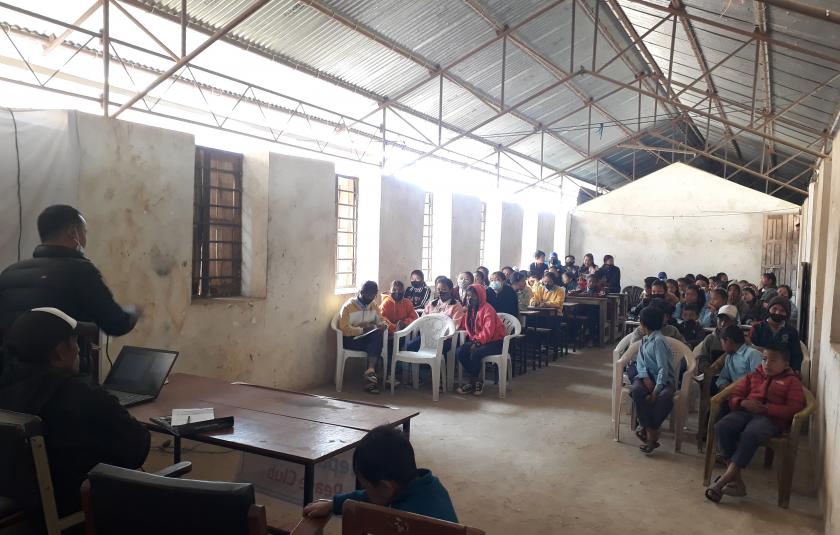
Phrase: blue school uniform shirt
(425,496)
(708,318)
(656,361)
(739,364)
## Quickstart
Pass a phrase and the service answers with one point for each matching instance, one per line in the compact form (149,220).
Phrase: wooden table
(601,303)
(291,426)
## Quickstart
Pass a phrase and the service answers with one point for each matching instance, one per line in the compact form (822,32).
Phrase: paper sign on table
(191,416)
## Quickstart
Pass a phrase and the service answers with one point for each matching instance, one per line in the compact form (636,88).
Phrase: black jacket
(613,276)
(506,301)
(83,424)
(62,278)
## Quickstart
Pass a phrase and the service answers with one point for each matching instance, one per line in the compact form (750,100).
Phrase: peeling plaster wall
(466,233)
(400,230)
(668,221)
(136,188)
(511,232)
(824,232)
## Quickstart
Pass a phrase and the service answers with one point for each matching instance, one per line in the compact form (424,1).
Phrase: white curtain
(47,160)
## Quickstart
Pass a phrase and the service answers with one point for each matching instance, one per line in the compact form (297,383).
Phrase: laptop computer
(138,374)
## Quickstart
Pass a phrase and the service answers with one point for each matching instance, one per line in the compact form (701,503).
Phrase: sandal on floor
(648,449)
(735,489)
(373,389)
(714,494)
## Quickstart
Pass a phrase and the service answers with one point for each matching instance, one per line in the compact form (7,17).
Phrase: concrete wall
(136,191)
(545,232)
(400,230)
(668,221)
(493,235)
(466,233)
(824,236)
(511,235)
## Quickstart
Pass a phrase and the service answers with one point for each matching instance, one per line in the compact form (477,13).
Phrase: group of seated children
(765,366)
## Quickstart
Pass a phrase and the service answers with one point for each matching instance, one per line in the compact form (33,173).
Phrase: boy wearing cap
(776,330)
(711,348)
(83,424)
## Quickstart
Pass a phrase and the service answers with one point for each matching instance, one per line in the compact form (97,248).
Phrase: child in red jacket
(486,333)
(763,405)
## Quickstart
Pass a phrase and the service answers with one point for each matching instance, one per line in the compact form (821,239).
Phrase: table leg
(602,322)
(407,428)
(308,483)
(176,450)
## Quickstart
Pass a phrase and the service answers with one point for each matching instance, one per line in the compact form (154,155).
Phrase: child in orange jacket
(763,405)
(396,310)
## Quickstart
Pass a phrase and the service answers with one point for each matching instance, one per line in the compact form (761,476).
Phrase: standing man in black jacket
(612,273)
(60,276)
(83,424)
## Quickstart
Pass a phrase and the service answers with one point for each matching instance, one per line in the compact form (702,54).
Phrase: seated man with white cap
(83,424)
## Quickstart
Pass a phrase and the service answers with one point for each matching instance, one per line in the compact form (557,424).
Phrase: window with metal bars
(483,226)
(347,221)
(217,224)
(426,253)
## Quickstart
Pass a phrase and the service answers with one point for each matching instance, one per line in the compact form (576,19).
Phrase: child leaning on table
(384,465)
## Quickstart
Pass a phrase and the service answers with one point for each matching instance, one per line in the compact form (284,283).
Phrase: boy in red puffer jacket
(486,333)
(763,405)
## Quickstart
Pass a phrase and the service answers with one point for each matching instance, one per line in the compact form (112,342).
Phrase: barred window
(426,253)
(347,220)
(217,224)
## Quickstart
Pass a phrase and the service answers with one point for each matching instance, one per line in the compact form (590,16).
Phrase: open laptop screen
(140,371)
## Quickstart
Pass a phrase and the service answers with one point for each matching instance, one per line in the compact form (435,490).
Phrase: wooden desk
(291,426)
(601,303)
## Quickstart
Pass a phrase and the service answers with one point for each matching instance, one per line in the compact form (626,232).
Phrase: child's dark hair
(550,275)
(771,277)
(649,281)
(385,454)
(733,333)
(720,292)
(369,287)
(517,276)
(780,349)
(651,317)
(539,254)
(657,282)
(419,273)
(691,307)
(446,281)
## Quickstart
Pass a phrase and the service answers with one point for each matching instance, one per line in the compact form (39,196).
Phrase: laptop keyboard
(128,398)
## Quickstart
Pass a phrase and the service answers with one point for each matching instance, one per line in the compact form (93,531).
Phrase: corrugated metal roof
(385,47)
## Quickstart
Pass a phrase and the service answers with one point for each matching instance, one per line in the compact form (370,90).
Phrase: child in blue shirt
(741,359)
(385,467)
(653,388)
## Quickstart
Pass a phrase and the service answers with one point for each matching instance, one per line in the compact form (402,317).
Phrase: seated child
(396,310)
(548,294)
(569,282)
(360,315)
(653,387)
(740,359)
(690,328)
(418,293)
(523,292)
(387,472)
(485,336)
(762,406)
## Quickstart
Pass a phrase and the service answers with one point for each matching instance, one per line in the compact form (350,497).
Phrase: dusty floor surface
(542,461)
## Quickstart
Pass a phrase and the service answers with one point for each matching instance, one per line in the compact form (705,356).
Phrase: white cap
(728,310)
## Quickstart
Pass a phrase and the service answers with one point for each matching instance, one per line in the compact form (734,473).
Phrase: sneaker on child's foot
(370,377)
(466,388)
(478,389)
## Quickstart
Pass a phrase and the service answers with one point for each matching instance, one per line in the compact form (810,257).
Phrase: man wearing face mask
(776,330)
(60,276)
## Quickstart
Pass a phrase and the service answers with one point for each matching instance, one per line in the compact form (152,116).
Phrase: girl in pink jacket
(485,332)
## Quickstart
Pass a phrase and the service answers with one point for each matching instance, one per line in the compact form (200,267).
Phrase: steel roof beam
(726,161)
(704,67)
(55,43)
(803,9)
(221,32)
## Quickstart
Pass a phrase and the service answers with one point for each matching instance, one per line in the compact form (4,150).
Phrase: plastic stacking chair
(512,330)
(434,330)
(341,354)
(622,346)
(367,519)
(783,446)
(679,414)
(634,295)
(805,370)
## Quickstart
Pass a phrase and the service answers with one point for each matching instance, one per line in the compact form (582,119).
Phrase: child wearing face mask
(386,470)
(360,315)
(485,334)
(465,280)
(690,327)
(418,293)
(396,310)
(776,330)
(505,299)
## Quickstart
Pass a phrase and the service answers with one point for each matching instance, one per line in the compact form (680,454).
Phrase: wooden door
(781,247)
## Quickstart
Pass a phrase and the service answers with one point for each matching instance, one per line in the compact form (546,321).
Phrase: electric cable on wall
(19,195)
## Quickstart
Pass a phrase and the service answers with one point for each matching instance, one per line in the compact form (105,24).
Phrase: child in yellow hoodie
(360,315)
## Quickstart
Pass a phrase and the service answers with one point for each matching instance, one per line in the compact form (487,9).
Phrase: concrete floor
(543,461)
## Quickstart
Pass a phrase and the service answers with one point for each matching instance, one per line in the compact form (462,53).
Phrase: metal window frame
(428,232)
(203,256)
(354,233)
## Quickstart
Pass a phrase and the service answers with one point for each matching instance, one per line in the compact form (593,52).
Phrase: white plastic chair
(805,370)
(434,330)
(512,330)
(341,354)
(679,414)
(619,350)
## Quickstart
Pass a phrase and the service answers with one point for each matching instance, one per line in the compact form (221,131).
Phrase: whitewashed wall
(511,235)
(466,233)
(678,220)
(400,230)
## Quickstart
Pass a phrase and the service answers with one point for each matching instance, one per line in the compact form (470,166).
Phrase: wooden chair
(784,446)
(368,519)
